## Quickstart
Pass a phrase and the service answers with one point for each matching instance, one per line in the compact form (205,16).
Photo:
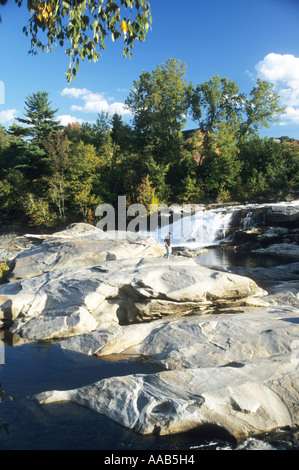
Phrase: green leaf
(84,20)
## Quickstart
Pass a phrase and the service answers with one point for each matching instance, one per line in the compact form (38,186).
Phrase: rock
(288,250)
(244,401)
(11,245)
(62,324)
(258,226)
(75,247)
(113,340)
(185,280)
(272,274)
(122,291)
(188,252)
(246,236)
(235,371)
(280,215)
(199,340)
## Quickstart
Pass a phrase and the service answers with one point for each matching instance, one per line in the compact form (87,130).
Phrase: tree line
(52,174)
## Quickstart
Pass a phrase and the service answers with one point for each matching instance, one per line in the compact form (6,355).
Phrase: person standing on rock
(168,243)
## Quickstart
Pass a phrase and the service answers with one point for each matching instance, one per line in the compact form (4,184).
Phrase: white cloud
(7,116)
(66,119)
(118,108)
(75,107)
(74,92)
(280,68)
(94,102)
(283,71)
(289,96)
(291,116)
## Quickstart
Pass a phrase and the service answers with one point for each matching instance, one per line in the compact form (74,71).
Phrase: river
(34,367)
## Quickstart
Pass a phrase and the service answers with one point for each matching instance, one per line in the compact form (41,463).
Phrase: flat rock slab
(235,367)
(290,250)
(237,371)
(245,401)
(200,340)
(119,291)
(68,249)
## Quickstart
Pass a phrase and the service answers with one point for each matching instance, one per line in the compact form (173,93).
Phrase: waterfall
(209,227)
(205,227)
(248,222)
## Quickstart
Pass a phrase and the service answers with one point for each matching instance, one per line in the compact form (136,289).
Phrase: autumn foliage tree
(82,26)
(52,175)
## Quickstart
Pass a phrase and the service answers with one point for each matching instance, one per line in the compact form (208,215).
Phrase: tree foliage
(51,175)
(39,116)
(227,119)
(158,102)
(82,26)
(219,100)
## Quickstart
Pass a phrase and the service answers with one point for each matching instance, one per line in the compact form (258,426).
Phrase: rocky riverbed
(230,348)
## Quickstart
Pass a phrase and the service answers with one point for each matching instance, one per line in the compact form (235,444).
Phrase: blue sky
(240,40)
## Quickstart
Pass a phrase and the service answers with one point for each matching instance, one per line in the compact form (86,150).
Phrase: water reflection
(35,367)
(31,368)
(227,259)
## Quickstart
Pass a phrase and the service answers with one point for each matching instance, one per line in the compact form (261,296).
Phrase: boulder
(77,247)
(197,341)
(245,401)
(53,326)
(284,214)
(234,371)
(121,292)
(287,250)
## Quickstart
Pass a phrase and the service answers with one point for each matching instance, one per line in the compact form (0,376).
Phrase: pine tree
(39,116)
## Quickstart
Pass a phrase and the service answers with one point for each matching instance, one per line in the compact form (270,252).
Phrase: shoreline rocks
(245,401)
(237,371)
(238,334)
(263,227)
(115,292)
(229,348)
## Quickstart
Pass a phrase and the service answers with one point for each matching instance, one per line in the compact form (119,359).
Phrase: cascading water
(248,221)
(209,227)
(205,227)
